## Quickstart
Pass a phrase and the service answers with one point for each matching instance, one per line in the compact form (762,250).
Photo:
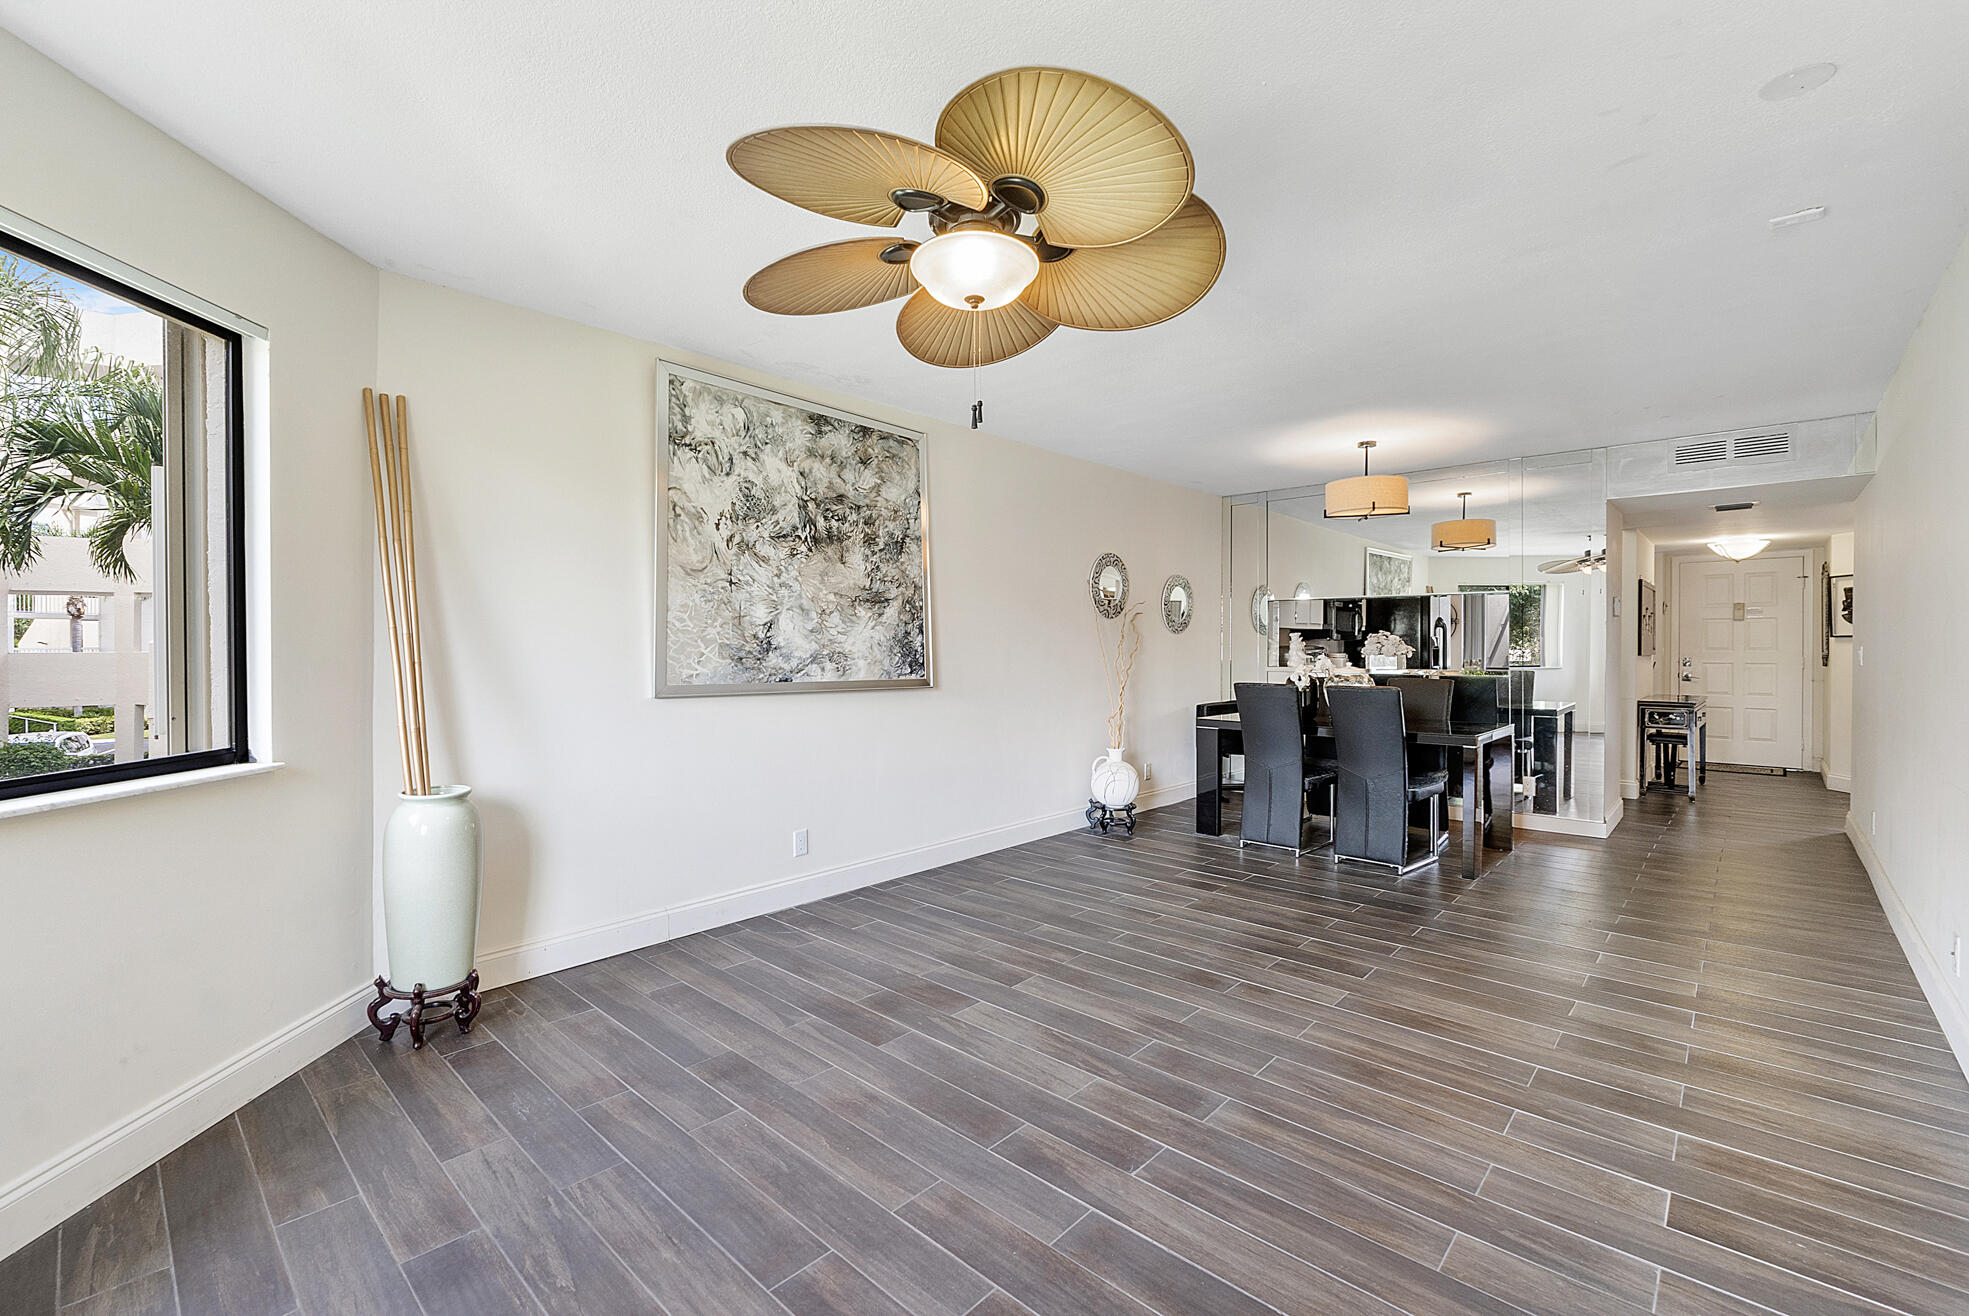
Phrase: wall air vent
(1697,451)
(1776,444)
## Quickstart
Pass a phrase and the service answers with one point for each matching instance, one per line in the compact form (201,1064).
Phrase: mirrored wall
(1529,608)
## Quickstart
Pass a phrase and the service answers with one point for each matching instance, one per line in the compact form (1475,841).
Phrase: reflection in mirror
(1108,584)
(1178,599)
(1468,602)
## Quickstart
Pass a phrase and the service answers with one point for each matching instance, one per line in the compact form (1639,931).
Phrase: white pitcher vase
(1115,782)
(431,888)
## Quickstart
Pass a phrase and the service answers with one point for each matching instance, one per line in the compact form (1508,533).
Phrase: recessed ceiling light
(1797,82)
(1805,216)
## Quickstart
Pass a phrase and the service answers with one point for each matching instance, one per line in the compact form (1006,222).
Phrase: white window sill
(121,790)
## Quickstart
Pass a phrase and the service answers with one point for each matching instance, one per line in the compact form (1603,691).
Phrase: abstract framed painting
(1388,573)
(792,544)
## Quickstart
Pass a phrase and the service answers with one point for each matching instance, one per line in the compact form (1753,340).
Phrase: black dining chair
(1377,786)
(1426,702)
(1277,773)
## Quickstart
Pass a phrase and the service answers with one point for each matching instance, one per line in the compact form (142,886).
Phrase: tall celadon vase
(431,888)
(1114,781)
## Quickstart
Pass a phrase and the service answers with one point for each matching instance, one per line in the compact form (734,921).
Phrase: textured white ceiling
(1463,227)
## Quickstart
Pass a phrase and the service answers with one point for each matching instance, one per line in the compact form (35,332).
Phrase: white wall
(613,819)
(149,945)
(1910,803)
(1838,767)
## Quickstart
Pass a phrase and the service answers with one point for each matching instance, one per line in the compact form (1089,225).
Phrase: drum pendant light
(1464,534)
(1361,496)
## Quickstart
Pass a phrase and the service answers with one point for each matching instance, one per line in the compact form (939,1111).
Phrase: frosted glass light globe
(991,266)
(1739,547)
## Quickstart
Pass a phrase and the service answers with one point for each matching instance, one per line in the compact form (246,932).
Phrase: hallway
(1681,1070)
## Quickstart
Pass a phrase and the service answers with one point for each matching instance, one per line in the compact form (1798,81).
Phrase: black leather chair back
(1479,699)
(1425,699)
(1371,821)
(1274,764)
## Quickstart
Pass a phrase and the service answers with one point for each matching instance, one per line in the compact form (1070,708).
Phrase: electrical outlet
(1148,772)
(1862,655)
(799,843)
(1873,823)
(1955,955)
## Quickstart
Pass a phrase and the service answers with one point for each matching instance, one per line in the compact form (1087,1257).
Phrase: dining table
(1486,771)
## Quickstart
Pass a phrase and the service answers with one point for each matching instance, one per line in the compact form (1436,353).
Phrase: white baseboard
(530,959)
(1630,788)
(1834,782)
(55,1190)
(1950,1009)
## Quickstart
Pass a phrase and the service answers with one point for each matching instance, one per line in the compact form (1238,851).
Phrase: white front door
(1740,644)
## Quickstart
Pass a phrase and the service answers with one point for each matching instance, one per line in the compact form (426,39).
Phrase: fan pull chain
(977,390)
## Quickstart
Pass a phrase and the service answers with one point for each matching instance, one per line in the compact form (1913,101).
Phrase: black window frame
(239,751)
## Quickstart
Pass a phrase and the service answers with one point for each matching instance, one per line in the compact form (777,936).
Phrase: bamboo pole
(384,559)
(413,620)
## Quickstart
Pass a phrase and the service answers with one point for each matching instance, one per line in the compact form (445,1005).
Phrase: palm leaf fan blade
(941,336)
(1136,284)
(1111,166)
(840,276)
(848,173)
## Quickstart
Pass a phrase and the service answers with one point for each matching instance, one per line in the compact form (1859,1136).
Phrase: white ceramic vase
(1115,782)
(431,888)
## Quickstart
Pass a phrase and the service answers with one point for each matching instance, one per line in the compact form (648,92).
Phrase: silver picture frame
(662,687)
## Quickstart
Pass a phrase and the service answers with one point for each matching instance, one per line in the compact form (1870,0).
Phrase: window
(1534,622)
(57,623)
(121,540)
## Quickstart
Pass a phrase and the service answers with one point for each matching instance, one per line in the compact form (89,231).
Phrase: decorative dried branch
(389,474)
(1118,664)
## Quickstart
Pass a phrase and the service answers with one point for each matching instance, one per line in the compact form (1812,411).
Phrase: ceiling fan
(1589,561)
(1052,198)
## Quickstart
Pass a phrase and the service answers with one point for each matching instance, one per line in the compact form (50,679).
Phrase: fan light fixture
(975,267)
(1588,563)
(1052,198)
(1739,547)
(1464,534)
(1362,496)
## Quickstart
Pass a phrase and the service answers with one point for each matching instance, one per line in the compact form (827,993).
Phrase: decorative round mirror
(1178,600)
(1108,583)
(1261,610)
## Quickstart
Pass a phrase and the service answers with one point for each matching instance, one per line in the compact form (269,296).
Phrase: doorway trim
(1810,689)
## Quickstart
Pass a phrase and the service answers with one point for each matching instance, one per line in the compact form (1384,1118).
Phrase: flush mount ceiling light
(1052,198)
(1361,496)
(1465,534)
(1739,547)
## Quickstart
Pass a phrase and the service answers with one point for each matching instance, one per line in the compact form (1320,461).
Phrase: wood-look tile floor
(1684,1070)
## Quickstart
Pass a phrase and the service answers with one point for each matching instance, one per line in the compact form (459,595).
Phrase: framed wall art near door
(792,544)
(1839,606)
(1645,623)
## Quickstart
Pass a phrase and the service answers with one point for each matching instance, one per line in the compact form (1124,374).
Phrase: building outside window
(120,554)
(57,623)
